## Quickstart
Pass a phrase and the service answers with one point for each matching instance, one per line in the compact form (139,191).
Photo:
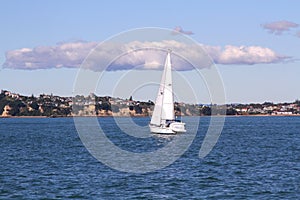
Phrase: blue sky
(265,24)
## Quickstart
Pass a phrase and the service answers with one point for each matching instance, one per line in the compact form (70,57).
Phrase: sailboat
(163,119)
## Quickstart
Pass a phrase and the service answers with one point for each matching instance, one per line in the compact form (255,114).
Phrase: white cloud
(278,27)
(136,54)
(43,57)
(178,29)
(244,55)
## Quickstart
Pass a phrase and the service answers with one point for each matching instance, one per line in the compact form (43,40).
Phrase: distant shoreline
(260,115)
(24,117)
(47,106)
(37,117)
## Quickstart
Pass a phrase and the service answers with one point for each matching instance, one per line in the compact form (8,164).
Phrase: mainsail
(164,104)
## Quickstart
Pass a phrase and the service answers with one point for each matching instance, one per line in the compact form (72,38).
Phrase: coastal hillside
(13,105)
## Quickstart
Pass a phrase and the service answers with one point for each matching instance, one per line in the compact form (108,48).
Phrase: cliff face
(124,111)
(6,110)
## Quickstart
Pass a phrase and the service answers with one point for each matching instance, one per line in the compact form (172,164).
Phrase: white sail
(157,112)
(156,115)
(168,100)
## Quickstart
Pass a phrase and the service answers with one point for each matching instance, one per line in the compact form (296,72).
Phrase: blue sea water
(255,158)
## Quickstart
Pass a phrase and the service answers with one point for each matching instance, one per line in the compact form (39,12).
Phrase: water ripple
(255,158)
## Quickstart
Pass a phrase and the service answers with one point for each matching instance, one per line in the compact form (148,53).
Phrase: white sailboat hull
(173,128)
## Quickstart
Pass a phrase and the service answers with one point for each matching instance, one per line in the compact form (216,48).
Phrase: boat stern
(178,127)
